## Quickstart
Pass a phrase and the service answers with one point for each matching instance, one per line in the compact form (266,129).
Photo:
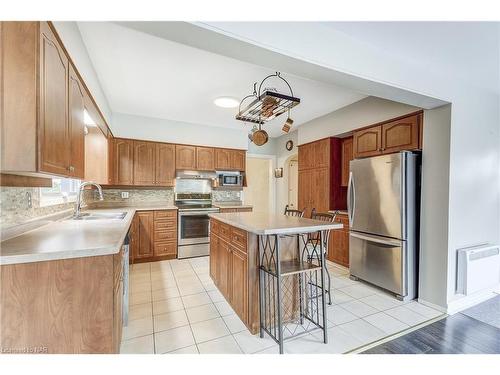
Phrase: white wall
(381,70)
(160,130)
(365,112)
(72,40)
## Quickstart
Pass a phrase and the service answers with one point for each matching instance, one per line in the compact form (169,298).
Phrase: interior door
(375,195)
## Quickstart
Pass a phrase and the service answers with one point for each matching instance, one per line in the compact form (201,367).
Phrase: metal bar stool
(313,239)
(292,212)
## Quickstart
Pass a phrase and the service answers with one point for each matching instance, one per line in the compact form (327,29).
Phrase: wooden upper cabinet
(321,153)
(321,189)
(123,161)
(185,157)
(367,142)
(401,134)
(76,125)
(222,159)
(165,164)
(229,160)
(238,160)
(205,158)
(305,156)
(54,141)
(144,163)
(347,156)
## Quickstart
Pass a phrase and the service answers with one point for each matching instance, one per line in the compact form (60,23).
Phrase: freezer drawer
(380,261)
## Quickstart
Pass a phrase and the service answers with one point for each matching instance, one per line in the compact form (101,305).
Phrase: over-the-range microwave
(230,179)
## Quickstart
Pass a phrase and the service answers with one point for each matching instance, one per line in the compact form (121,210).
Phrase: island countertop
(268,223)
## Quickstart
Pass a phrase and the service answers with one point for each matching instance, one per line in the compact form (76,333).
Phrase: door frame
(272,184)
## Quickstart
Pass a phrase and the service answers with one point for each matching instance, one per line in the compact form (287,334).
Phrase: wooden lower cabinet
(71,305)
(234,270)
(338,246)
(153,235)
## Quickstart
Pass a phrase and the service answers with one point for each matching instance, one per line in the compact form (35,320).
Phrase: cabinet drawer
(225,231)
(170,225)
(165,214)
(165,248)
(239,239)
(165,235)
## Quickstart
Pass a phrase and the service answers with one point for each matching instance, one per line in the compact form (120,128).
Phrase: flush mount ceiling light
(226,102)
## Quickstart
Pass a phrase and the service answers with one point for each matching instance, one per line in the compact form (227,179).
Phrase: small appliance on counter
(193,198)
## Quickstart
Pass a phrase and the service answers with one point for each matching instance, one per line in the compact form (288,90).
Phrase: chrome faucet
(78,206)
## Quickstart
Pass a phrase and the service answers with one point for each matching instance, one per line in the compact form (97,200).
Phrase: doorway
(260,185)
(293,182)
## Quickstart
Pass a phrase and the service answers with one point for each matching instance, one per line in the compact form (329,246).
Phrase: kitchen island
(241,242)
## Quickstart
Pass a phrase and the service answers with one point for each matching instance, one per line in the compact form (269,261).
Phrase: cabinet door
(117,315)
(238,160)
(54,139)
(347,156)
(76,125)
(400,135)
(214,253)
(111,160)
(165,164)
(144,248)
(320,189)
(222,159)
(239,290)
(205,159)
(306,156)
(321,153)
(123,164)
(368,142)
(144,163)
(224,268)
(338,246)
(304,193)
(185,157)
(134,237)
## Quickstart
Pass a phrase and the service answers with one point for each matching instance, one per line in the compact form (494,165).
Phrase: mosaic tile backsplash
(14,208)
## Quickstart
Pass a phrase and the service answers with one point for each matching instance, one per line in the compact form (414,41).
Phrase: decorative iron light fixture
(266,105)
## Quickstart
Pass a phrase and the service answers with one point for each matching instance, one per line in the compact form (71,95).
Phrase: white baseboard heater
(478,268)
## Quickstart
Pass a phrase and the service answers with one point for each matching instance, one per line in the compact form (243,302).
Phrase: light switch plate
(124,194)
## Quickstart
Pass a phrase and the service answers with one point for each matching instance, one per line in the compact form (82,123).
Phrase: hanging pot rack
(267,104)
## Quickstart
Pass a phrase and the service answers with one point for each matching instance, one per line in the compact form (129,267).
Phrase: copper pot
(260,137)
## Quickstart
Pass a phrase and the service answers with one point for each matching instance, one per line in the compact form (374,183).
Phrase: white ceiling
(145,75)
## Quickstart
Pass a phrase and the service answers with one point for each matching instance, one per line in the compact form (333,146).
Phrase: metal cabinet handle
(367,237)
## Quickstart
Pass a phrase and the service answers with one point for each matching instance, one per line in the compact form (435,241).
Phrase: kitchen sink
(100,216)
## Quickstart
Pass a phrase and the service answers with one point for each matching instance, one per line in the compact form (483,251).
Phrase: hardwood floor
(456,334)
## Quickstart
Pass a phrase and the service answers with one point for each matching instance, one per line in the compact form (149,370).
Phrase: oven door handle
(195,213)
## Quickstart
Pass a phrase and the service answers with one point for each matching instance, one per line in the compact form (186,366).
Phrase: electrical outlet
(124,194)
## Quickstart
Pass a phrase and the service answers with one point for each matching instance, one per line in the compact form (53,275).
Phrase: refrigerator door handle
(351,199)
(370,238)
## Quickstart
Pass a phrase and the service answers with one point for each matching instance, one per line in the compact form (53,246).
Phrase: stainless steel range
(194,224)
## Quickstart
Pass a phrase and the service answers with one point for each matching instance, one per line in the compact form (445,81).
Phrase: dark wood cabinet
(123,161)
(76,125)
(224,268)
(165,164)
(338,246)
(214,256)
(205,158)
(368,142)
(54,129)
(145,228)
(402,133)
(144,163)
(185,157)
(319,177)
(347,156)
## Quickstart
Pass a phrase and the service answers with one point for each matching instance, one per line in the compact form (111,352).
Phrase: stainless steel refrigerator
(383,216)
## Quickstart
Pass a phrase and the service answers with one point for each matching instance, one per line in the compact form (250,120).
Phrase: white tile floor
(175,308)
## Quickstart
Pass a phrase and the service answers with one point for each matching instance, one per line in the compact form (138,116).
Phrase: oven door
(194,228)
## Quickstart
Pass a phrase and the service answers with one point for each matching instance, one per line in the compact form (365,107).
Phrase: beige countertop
(65,239)
(266,223)
(231,205)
